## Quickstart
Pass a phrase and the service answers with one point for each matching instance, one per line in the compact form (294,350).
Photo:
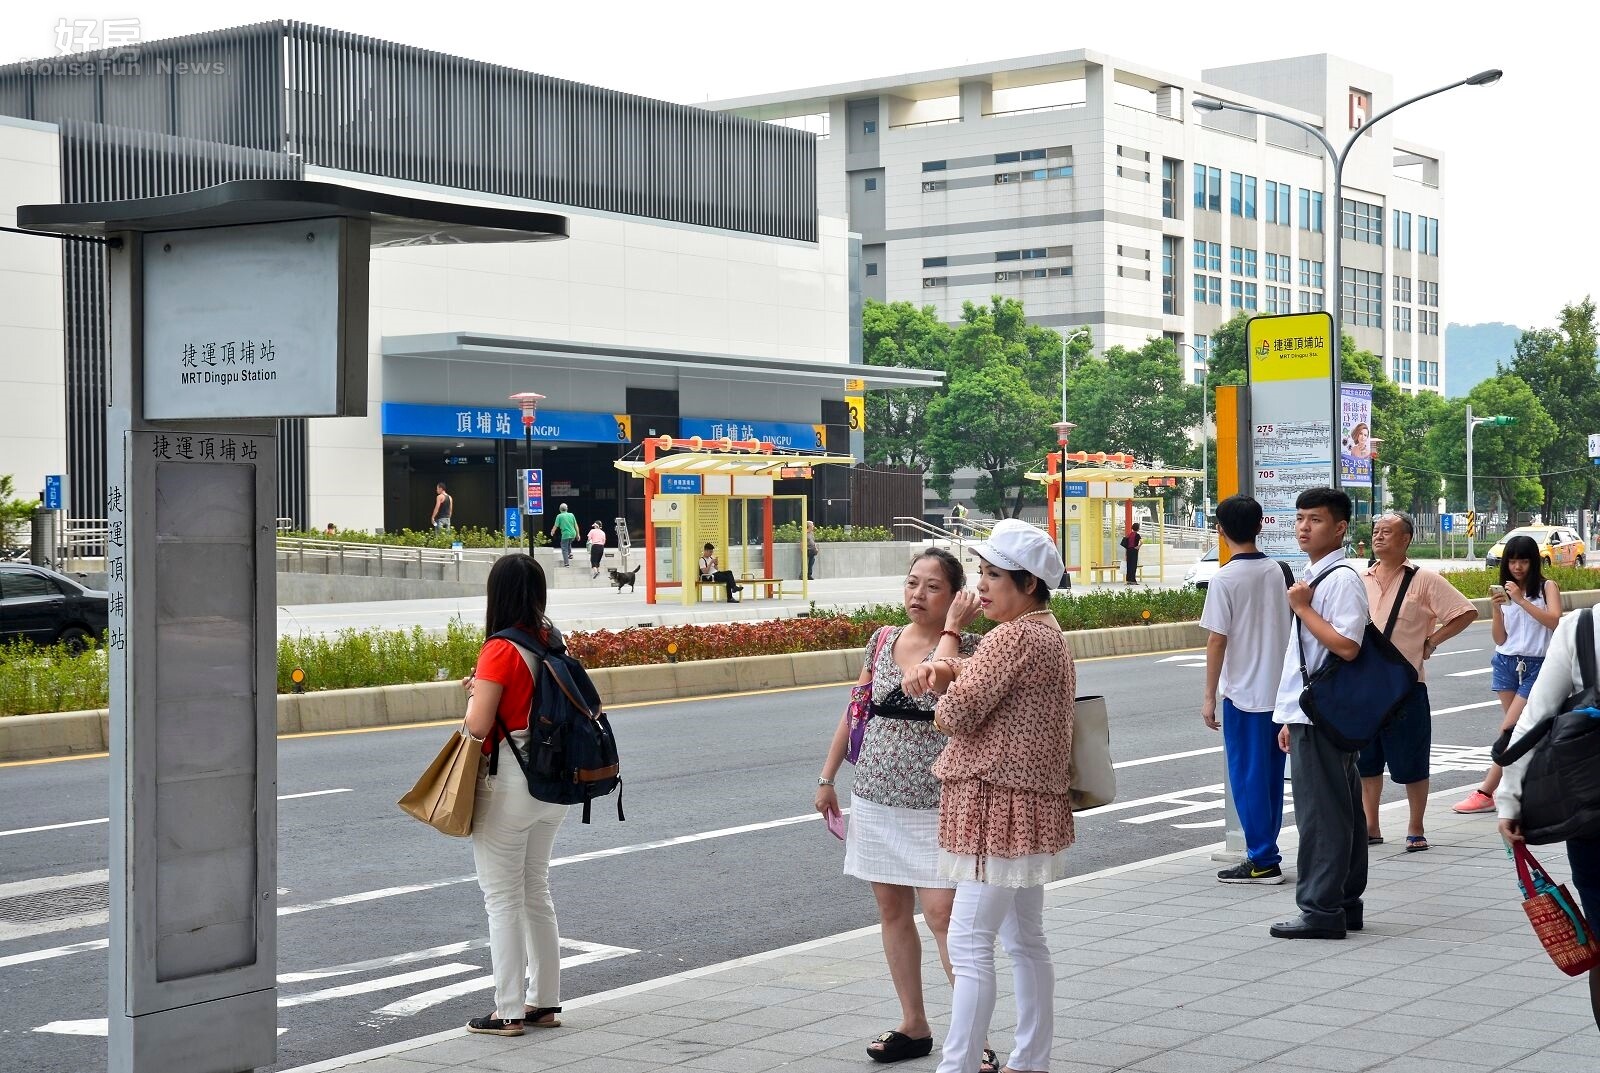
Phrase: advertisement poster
(1292,436)
(1355,435)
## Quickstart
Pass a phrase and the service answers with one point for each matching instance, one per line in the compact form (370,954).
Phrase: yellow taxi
(1559,545)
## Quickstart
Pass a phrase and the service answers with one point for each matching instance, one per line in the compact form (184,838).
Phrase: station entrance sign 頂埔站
(1292,435)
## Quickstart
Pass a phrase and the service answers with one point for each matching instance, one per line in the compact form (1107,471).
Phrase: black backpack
(1561,787)
(572,754)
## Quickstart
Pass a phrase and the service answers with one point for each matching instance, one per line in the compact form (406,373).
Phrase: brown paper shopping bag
(444,796)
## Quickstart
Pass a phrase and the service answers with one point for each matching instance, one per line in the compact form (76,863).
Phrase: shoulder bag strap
(1299,636)
(1288,575)
(1399,598)
(1585,643)
(884,633)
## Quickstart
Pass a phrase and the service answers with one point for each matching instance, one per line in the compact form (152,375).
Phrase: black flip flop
(990,1062)
(897,1047)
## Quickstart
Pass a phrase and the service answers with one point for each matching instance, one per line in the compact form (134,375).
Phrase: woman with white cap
(1005,819)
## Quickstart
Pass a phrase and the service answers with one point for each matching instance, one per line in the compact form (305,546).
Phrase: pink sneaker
(1475,802)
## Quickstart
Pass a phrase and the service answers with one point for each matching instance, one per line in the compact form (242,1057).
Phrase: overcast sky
(1520,157)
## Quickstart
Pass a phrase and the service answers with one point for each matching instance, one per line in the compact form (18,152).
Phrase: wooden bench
(766,585)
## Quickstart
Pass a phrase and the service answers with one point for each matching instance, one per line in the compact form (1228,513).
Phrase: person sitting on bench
(709,572)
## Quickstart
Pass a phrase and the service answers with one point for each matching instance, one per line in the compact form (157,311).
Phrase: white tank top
(1525,636)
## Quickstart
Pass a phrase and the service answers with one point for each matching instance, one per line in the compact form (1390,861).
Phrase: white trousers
(512,834)
(1016,915)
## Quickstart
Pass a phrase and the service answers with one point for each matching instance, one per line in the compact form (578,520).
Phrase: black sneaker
(1245,872)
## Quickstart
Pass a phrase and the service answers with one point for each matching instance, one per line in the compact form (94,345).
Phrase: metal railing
(294,551)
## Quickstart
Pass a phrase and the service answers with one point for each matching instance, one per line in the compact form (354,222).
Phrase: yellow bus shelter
(691,487)
(1100,500)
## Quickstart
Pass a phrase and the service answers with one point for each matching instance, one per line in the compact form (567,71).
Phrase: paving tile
(1190,1062)
(1450,1050)
(1226,1044)
(1327,1058)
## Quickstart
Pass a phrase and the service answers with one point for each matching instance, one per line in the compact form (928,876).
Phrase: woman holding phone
(1526,609)
(893,838)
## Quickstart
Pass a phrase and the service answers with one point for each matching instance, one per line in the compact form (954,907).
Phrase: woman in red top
(513,831)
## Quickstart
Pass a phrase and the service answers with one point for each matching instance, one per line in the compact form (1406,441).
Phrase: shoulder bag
(443,798)
(1091,777)
(1350,701)
(860,709)
(1556,918)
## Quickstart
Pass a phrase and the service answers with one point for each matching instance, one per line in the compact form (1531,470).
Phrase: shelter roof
(728,463)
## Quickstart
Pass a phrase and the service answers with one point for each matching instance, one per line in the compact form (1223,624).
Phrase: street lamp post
(1338,157)
(529,400)
(1372,479)
(1063,430)
(1205,444)
(1472,425)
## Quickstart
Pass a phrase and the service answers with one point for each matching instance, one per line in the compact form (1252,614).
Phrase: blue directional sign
(513,523)
(1447,522)
(531,481)
(681,484)
(54,492)
(1075,488)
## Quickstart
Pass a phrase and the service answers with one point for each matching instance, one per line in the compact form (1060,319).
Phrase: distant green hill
(1471,352)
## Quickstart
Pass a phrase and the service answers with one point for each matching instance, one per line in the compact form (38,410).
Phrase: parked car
(1558,545)
(46,607)
(1201,573)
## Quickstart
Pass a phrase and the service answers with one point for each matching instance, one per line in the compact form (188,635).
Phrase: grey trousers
(1332,859)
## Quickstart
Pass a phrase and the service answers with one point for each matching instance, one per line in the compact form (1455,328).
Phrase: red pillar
(650,486)
(1052,490)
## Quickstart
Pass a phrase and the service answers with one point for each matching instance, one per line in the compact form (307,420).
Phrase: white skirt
(884,844)
(1034,870)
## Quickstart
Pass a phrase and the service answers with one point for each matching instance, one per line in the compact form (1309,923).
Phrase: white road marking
(46,883)
(1174,797)
(1456,652)
(1469,674)
(448,950)
(107,819)
(380,983)
(1181,656)
(1170,756)
(1466,707)
(53,952)
(94,1026)
(408,1007)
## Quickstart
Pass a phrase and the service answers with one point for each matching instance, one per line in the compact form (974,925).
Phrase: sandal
(897,1047)
(990,1062)
(1416,843)
(494,1026)
(532,1017)
(1374,840)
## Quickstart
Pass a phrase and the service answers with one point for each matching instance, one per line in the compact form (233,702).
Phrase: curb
(63,734)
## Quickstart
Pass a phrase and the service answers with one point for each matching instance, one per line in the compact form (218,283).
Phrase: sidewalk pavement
(1160,969)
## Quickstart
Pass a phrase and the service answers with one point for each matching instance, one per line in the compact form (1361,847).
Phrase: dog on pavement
(620,578)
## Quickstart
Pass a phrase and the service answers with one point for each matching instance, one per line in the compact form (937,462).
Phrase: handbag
(1556,919)
(1091,777)
(1561,786)
(860,709)
(1350,701)
(444,796)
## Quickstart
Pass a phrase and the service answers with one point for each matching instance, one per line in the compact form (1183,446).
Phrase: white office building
(1088,187)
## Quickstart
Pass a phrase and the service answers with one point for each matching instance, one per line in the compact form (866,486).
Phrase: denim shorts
(1583,854)
(1503,673)
(1403,744)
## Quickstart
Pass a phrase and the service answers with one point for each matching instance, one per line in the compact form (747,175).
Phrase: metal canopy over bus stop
(1088,546)
(688,493)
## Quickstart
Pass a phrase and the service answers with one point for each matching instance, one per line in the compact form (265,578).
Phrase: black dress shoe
(1353,923)
(1299,929)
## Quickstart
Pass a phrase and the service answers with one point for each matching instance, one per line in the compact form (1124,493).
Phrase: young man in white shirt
(1332,615)
(1248,616)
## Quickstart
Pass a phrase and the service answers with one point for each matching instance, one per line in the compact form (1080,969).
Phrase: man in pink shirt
(1431,612)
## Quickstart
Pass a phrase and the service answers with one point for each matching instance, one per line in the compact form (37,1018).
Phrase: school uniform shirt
(1429,601)
(1246,603)
(1341,599)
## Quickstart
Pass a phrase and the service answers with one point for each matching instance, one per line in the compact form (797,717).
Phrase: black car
(45,607)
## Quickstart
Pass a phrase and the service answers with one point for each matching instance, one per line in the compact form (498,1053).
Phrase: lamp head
(1205,104)
(1485,78)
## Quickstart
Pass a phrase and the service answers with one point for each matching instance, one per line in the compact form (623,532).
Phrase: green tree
(1559,366)
(1504,457)
(1410,471)
(900,334)
(14,513)
(1138,402)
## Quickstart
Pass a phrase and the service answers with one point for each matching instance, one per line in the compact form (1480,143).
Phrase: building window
(1170,255)
(1007,158)
(1278,203)
(1235,193)
(933,165)
(1311,211)
(1207,188)
(1034,273)
(1242,261)
(935,262)
(871,184)
(869,126)
(934,281)
(1363,222)
(1362,297)
(1402,370)
(1402,230)
(1433,372)
(1249,197)
(1428,235)
(1208,289)
(1008,255)
(1310,301)
(1236,293)
(1169,188)
(1401,318)
(872,268)
(1034,154)
(1277,300)
(1038,252)
(1402,288)
(1310,273)
(1427,293)
(1064,270)
(1250,296)
(1429,321)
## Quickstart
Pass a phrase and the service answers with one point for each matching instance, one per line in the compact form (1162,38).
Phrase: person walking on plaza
(1330,606)
(513,831)
(443,504)
(1248,616)
(710,570)
(811,550)
(1131,543)
(567,527)
(892,840)
(1525,609)
(1431,612)
(1005,817)
(597,548)
(1560,678)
